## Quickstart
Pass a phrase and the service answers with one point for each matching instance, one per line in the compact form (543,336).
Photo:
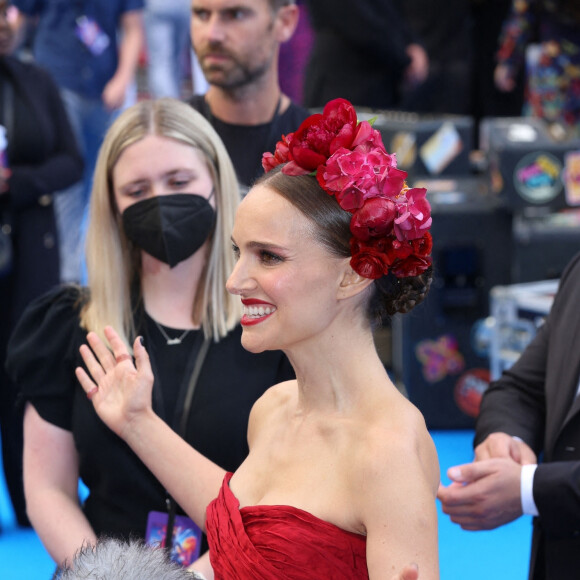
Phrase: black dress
(42,356)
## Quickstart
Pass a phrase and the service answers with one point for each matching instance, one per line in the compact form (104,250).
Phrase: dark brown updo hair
(331,228)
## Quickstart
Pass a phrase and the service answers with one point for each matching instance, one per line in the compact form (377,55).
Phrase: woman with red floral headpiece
(342,475)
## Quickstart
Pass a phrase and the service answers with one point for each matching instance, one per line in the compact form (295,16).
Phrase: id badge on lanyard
(186,543)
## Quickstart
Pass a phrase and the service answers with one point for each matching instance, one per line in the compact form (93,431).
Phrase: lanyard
(171,504)
(180,419)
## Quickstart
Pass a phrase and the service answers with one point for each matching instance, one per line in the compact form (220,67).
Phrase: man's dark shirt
(246,143)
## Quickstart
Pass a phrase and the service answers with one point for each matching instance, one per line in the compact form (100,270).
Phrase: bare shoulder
(399,444)
(270,406)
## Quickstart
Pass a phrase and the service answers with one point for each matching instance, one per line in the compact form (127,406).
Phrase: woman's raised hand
(119,390)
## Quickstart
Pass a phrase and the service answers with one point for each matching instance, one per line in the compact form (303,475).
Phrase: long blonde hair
(113,265)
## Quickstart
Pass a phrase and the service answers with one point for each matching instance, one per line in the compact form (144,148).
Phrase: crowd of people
(233,397)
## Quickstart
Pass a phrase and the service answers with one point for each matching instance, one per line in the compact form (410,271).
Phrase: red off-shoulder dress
(276,542)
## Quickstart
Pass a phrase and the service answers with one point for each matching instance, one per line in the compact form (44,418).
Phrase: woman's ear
(352,283)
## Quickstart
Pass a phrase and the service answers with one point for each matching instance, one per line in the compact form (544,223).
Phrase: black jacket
(536,400)
(43,157)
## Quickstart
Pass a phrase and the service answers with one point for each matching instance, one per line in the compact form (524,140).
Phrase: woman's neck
(168,293)
(339,374)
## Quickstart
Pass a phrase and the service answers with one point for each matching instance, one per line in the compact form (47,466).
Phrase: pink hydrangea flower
(414,217)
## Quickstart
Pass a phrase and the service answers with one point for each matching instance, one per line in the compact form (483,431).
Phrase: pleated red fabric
(274,542)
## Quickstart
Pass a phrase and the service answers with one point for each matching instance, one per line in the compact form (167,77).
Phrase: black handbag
(6,246)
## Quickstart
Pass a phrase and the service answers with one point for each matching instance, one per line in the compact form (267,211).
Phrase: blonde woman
(158,256)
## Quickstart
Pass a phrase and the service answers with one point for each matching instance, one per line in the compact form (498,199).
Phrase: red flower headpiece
(390,222)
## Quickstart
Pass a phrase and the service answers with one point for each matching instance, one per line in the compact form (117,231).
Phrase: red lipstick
(253,319)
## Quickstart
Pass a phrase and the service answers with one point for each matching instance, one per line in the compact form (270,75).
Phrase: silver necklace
(171,341)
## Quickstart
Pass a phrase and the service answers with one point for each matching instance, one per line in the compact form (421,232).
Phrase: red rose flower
(280,156)
(411,266)
(319,136)
(369,259)
(417,258)
(375,218)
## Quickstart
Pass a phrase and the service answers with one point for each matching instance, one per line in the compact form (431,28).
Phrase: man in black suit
(531,411)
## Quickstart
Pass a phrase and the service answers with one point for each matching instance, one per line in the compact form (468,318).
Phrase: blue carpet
(500,554)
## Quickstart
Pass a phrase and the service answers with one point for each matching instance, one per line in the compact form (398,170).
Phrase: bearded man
(237,44)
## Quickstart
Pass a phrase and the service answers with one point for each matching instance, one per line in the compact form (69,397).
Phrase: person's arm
(377,28)
(418,69)
(397,488)
(513,39)
(203,567)
(121,395)
(51,487)
(131,43)
(515,404)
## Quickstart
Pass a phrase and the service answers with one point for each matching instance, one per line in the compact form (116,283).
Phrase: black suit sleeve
(515,404)
(63,166)
(533,400)
(557,497)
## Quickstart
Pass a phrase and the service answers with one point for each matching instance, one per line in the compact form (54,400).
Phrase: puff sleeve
(43,353)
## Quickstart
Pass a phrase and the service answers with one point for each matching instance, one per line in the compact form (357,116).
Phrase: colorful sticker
(441,148)
(439,358)
(469,390)
(404,145)
(537,177)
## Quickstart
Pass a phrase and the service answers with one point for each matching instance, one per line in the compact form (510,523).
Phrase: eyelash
(135,193)
(180,181)
(267,258)
(173,183)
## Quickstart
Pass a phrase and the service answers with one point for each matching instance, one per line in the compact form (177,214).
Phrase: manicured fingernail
(455,474)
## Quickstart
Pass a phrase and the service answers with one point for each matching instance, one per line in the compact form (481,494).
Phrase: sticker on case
(441,148)
(537,177)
